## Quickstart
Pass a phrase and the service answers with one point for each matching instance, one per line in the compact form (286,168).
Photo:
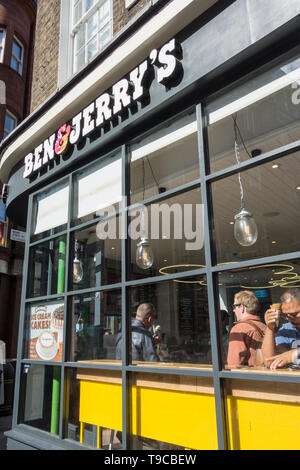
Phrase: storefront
(167,152)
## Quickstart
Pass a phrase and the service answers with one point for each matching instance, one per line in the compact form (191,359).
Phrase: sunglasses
(236,305)
(287,299)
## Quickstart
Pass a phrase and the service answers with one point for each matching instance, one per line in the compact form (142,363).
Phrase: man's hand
(271,316)
(281,360)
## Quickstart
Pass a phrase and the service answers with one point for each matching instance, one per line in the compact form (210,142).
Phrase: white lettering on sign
(109,105)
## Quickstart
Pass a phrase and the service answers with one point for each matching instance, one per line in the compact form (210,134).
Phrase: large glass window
(178,399)
(164,159)
(98,190)
(92,29)
(175,231)
(179,323)
(257,289)
(39,398)
(95,423)
(94,323)
(266,113)
(10,122)
(17,56)
(2,39)
(50,211)
(95,257)
(271,193)
(47,263)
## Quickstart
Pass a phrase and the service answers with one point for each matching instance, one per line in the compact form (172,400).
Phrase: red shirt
(243,342)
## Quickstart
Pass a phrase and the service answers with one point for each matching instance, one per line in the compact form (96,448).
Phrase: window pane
(98,190)
(77,10)
(104,36)
(17,50)
(164,159)
(174,229)
(10,123)
(92,49)
(271,195)
(14,64)
(92,25)
(47,268)
(89,4)
(245,295)
(270,120)
(93,22)
(79,38)
(94,320)
(179,324)
(92,422)
(272,406)
(80,60)
(50,211)
(178,399)
(43,340)
(96,260)
(39,399)
(1,35)
(104,13)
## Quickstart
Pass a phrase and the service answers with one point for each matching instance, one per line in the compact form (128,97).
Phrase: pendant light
(144,253)
(245,229)
(77,266)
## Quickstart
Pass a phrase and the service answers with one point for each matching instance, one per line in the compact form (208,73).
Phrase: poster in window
(46,331)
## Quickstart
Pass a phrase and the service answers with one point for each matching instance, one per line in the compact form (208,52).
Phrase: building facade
(159,165)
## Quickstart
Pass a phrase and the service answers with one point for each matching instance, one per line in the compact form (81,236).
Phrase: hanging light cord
(237,133)
(153,173)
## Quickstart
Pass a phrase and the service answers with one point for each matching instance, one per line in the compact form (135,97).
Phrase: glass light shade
(144,254)
(77,271)
(245,229)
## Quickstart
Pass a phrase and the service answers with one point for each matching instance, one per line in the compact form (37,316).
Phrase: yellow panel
(101,404)
(263,425)
(181,418)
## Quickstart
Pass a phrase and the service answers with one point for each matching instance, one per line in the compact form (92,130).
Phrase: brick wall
(47,43)
(46,51)
(122,16)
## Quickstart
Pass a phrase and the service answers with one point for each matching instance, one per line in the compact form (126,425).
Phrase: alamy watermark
(156,221)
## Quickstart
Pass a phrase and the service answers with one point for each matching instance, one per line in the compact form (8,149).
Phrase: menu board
(186,305)
(46,331)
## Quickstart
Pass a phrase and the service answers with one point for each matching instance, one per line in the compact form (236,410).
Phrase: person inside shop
(281,346)
(247,333)
(143,342)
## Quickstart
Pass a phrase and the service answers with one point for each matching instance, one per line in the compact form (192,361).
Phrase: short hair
(145,310)
(294,292)
(249,300)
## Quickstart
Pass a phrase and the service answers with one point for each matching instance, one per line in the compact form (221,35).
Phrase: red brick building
(17,24)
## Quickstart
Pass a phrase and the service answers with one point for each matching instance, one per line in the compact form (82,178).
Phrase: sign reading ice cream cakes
(46,332)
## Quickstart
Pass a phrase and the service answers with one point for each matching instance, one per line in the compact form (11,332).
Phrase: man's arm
(282,360)
(269,348)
